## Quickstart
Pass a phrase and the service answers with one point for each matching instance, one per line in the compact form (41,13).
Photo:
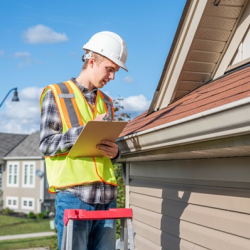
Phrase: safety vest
(63,171)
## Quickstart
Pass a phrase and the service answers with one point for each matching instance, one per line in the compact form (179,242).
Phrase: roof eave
(221,122)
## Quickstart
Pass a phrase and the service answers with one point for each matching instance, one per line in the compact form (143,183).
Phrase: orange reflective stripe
(75,105)
(99,175)
(48,156)
(94,108)
(93,112)
(64,108)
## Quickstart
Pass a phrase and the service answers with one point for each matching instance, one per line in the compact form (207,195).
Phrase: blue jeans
(87,235)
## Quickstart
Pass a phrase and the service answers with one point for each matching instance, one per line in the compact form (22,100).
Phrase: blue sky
(41,44)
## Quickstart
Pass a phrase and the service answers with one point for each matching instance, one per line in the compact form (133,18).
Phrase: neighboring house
(188,157)
(24,179)
(7,143)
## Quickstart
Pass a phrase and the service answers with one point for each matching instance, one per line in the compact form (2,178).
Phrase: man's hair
(98,58)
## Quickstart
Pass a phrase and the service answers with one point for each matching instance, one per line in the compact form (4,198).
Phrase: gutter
(220,122)
(23,158)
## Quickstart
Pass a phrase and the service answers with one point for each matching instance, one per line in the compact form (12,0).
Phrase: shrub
(21,214)
(7,211)
(47,212)
(40,216)
(31,215)
(121,195)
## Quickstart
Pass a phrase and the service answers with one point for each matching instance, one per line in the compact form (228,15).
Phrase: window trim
(12,198)
(34,174)
(8,174)
(237,65)
(28,199)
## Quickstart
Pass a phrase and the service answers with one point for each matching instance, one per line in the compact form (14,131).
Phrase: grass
(50,241)
(12,225)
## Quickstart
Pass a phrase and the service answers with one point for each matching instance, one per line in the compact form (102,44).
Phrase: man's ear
(91,62)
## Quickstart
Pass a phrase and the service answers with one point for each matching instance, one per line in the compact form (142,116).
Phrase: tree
(119,115)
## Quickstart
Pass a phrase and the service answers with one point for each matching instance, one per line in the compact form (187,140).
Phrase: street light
(14,98)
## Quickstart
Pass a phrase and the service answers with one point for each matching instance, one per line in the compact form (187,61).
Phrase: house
(24,181)
(7,143)
(187,158)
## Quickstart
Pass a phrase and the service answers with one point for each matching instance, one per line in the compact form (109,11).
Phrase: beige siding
(20,192)
(173,210)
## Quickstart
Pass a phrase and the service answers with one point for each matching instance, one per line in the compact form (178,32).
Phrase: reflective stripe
(63,171)
(108,104)
(66,96)
(69,104)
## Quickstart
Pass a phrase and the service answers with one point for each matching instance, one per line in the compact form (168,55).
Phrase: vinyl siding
(191,204)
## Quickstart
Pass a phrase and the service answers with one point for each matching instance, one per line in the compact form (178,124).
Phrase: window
(29,174)
(28,203)
(11,202)
(12,174)
(243,52)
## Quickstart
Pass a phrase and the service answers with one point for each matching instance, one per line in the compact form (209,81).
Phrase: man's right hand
(99,117)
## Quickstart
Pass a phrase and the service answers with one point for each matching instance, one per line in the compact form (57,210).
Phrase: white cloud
(24,57)
(134,105)
(128,79)
(2,52)
(22,54)
(22,116)
(43,34)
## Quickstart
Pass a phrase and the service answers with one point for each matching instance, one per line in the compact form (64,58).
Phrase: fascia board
(221,122)
(24,158)
(180,53)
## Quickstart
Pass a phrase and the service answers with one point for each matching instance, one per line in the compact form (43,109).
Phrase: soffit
(210,41)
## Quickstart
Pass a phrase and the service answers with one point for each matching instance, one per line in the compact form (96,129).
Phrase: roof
(206,29)
(9,142)
(227,89)
(28,147)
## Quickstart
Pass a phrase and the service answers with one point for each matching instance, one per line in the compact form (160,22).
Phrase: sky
(41,44)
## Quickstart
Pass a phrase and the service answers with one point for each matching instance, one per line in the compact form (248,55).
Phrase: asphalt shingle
(227,89)
(9,141)
(28,147)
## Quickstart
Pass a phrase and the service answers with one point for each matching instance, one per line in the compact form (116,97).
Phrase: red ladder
(125,214)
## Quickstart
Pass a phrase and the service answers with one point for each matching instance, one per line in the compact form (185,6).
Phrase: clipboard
(92,134)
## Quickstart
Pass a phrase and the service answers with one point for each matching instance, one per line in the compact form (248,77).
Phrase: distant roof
(28,147)
(9,142)
(229,88)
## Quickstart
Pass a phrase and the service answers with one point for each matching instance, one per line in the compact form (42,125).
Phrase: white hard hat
(110,45)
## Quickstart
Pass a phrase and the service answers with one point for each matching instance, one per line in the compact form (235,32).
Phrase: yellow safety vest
(63,171)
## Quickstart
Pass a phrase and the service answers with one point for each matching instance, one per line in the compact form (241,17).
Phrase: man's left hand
(108,148)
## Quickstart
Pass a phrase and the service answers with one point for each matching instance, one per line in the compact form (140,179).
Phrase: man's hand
(99,117)
(108,148)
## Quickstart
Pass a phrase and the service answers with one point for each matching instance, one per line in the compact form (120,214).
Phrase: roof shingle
(9,141)
(229,88)
(28,147)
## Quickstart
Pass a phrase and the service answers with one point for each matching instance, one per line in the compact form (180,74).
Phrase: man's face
(103,72)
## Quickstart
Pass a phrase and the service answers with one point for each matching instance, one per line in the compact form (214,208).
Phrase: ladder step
(80,214)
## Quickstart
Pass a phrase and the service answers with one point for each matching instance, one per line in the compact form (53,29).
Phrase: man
(86,182)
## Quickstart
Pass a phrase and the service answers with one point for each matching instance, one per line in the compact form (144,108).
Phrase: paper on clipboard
(92,134)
